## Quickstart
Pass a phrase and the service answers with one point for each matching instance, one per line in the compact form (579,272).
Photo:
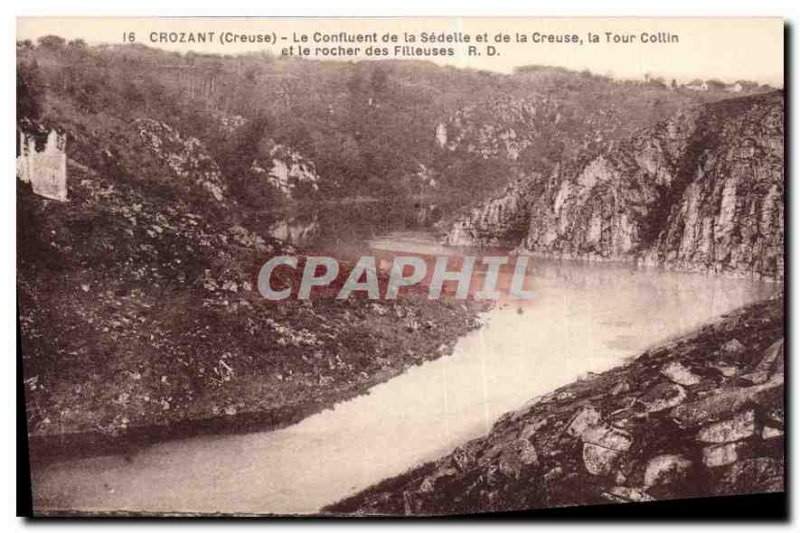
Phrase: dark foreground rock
(699,416)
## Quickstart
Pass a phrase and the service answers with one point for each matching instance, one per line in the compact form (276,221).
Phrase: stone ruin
(46,171)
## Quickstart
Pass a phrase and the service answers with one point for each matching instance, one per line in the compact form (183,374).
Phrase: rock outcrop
(186,157)
(699,416)
(502,219)
(287,171)
(701,191)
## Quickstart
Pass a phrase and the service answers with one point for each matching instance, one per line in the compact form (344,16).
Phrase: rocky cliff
(702,190)
(291,174)
(502,219)
(701,415)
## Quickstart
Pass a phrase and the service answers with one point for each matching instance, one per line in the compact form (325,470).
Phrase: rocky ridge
(698,416)
(702,190)
(288,172)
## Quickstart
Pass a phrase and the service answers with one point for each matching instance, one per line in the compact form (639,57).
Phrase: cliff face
(502,219)
(702,190)
(702,415)
(730,217)
(291,174)
(186,158)
(501,129)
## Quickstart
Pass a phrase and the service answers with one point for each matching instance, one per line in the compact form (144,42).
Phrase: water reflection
(353,223)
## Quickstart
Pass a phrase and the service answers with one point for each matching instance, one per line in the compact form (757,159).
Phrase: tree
(29,92)
(379,80)
(52,42)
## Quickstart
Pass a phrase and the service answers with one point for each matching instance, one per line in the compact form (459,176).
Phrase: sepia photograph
(399,267)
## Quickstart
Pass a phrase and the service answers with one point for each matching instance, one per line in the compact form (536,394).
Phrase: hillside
(702,415)
(702,190)
(139,316)
(366,129)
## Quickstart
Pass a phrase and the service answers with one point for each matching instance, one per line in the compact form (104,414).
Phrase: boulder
(760,474)
(583,420)
(722,454)
(727,370)
(666,470)
(733,347)
(463,458)
(739,427)
(627,494)
(620,388)
(518,455)
(678,373)
(723,403)
(608,437)
(662,396)
(771,362)
(599,461)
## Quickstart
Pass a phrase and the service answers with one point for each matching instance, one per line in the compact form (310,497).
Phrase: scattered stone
(762,371)
(608,437)
(666,470)
(661,397)
(771,433)
(627,494)
(519,454)
(680,374)
(775,415)
(598,460)
(725,369)
(530,429)
(721,404)
(721,455)
(583,420)
(526,452)
(739,427)
(626,424)
(564,395)
(620,388)
(462,459)
(427,485)
(771,355)
(760,474)
(733,347)
(553,474)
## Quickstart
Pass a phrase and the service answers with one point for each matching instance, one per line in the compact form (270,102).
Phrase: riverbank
(150,327)
(341,351)
(155,404)
(701,415)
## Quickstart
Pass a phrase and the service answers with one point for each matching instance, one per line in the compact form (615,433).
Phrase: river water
(584,318)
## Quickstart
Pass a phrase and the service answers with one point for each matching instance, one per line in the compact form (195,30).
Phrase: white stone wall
(46,171)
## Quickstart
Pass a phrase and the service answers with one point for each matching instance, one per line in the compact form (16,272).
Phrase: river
(584,318)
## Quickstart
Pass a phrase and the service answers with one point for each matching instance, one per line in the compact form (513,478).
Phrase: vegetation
(367,126)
